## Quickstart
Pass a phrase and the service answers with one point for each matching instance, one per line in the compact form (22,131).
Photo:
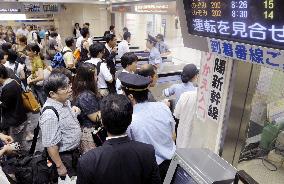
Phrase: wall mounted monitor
(255,22)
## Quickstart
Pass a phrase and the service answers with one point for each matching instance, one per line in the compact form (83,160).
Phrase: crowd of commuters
(81,94)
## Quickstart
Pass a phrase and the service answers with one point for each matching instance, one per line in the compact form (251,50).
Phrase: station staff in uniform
(161,46)
(155,56)
(152,122)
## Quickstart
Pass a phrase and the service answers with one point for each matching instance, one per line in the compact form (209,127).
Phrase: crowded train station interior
(141,92)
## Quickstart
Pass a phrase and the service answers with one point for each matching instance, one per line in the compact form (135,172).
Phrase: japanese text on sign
(256,55)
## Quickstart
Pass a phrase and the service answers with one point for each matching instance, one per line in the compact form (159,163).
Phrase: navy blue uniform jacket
(119,161)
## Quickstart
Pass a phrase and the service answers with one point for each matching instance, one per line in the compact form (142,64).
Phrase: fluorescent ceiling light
(13,17)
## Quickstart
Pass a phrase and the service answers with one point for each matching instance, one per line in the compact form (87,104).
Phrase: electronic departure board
(256,22)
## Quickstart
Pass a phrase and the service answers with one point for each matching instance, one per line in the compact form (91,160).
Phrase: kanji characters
(215,97)
(220,66)
(277,34)
(209,26)
(239,28)
(215,46)
(217,82)
(256,55)
(241,52)
(206,70)
(257,31)
(228,49)
(198,25)
(213,112)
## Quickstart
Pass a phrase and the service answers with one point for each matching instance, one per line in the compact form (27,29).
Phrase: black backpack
(32,168)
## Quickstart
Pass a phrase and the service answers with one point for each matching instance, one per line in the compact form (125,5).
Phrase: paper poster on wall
(212,77)
(205,75)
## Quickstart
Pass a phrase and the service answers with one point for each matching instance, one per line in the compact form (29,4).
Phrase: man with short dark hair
(61,132)
(118,160)
(97,51)
(67,52)
(129,65)
(109,56)
(123,46)
(85,34)
(152,122)
(110,31)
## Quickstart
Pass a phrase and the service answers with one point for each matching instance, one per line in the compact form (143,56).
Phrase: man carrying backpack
(67,53)
(103,73)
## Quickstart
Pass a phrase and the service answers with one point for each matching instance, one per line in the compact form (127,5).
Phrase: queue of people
(85,97)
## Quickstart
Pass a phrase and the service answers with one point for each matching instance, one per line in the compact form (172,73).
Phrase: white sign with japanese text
(271,58)
(205,75)
(213,85)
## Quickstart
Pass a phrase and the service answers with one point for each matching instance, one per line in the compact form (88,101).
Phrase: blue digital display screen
(256,22)
(182,177)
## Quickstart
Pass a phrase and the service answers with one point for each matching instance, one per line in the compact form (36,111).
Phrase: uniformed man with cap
(155,56)
(161,46)
(152,122)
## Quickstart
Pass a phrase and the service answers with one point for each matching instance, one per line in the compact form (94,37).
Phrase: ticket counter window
(262,155)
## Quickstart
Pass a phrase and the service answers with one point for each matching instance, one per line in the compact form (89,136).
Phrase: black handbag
(34,168)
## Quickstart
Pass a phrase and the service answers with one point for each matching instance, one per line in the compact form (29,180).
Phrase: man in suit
(111,30)
(118,160)
(109,57)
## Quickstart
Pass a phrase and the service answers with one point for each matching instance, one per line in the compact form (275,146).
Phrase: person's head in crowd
(58,87)
(22,40)
(85,79)
(12,56)
(149,71)
(23,26)
(125,29)
(111,28)
(135,87)
(97,50)
(6,46)
(129,62)
(29,28)
(160,37)
(10,32)
(2,57)
(151,42)
(86,25)
(190,74)
(77,25)
(85,32)
(2,36)
(116,113)
(52,28)
(3,74)
(127,36)
(53,34)
(33,50)
(69,41)
(111,40)
(64,71)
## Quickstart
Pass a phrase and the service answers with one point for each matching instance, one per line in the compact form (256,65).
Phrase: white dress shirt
(79,42)
(123,48)
(104,74)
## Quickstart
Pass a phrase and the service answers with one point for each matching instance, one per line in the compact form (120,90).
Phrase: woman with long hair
(87,98)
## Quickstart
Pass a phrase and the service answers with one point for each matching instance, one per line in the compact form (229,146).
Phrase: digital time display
(256,22)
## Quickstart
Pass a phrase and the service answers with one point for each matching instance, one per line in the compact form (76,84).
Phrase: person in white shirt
(22,31)
(32,36)
(123,46)
(129,65)
(70,61)
(11,63)
(104,75)
(81,38)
